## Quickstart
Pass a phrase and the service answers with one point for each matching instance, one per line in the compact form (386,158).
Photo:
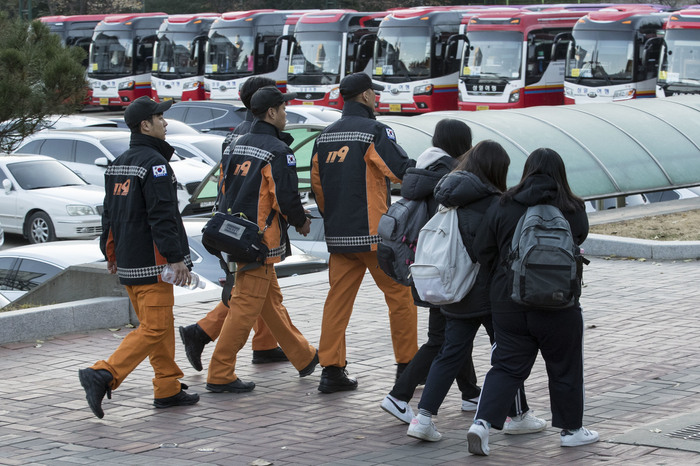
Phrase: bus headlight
(514,96)
(625,94)
(426,89)
(335,93)
(568,91)
(190,85)
(127,85)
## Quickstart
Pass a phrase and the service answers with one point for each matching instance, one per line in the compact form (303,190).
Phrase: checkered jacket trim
(126,170)
(340,241)
(146,272)
(348,136)
(250,151)
(277,252)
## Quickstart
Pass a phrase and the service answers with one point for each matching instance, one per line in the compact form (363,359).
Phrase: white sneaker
(478,438)
(524,424)
(401,410)
(574,438)
(470,404)
(422,427)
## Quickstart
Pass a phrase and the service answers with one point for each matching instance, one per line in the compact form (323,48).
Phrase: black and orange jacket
(142,228)
(354,161)
(261,177)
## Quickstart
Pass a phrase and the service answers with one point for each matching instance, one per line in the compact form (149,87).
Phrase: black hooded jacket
(493,240)
(473,198)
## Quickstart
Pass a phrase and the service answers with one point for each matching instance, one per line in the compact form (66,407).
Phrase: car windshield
(38,174)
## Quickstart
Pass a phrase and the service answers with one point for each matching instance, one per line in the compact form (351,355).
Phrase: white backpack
(443,272)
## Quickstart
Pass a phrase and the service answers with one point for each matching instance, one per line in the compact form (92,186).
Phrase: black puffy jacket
(473,198)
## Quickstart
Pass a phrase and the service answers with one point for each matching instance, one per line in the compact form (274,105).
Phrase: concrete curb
(605,245)
(77,316)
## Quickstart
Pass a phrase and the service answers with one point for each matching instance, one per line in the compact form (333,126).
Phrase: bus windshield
(177,54)
(681,57)
(402,54)
(111,53)
(230,53)
(601,55)
(493,54)
(315,58)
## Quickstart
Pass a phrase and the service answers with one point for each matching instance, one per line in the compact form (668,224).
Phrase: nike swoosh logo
(402,411)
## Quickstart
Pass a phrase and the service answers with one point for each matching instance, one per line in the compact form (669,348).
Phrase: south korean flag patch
(291,160)
(159,170)
(390,134)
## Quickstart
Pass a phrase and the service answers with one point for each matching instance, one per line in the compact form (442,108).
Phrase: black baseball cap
(268,97)
(142,109)
(354,84)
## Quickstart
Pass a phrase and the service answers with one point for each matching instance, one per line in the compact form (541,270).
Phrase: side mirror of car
(102,162)
(7,184)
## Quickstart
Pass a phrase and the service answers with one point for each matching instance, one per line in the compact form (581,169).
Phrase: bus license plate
(394,107)
(104,101)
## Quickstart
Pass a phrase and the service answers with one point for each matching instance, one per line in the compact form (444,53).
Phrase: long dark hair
(452,136)
(489,161)
(548,162)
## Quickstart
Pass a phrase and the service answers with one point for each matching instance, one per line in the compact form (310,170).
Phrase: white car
(200,147)
(44,200)
(311,115)
(88,152)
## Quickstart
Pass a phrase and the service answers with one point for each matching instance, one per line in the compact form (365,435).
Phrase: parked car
(311,114)
(315,242)
(44,200)
(25,267)
(88,153)
(207,265)
(200,147)
(174,127)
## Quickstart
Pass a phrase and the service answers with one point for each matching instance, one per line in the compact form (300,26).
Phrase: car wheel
(40,228)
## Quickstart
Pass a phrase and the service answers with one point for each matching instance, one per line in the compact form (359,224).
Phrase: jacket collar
(165,149)
(263,127)
(353,108)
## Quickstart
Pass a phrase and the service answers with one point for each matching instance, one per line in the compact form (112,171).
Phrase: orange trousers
(346,272)
(214,320)
(256,294)
(153,338)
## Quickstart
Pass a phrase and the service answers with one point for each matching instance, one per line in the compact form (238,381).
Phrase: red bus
(327,46)
(248,43)
(679,71)
(74,31)
(121,58)
(515,59)
(178,57)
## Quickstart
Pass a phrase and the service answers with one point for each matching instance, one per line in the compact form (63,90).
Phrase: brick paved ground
(642,335)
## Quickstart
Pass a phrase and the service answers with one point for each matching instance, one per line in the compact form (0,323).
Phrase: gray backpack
(544,260)
(399,228)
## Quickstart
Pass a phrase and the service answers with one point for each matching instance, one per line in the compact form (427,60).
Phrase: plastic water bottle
(168,276)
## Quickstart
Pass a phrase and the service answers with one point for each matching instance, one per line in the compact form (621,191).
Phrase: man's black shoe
(194,339)
(311,367)
(335,379)
(96,385)
(181,399)
(237,386)
(271,355)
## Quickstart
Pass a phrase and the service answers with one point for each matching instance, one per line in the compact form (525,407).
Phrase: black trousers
(417,370)
(558,335)
(456,355)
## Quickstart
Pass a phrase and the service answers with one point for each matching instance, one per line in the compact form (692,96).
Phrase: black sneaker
(311,367)
(96,385)
(238,386)
(181,399)
(271,355)
(335,379)
(194,339)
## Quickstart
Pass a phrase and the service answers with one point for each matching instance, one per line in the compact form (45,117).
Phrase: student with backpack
(524,330)
(451,139)
(471,189)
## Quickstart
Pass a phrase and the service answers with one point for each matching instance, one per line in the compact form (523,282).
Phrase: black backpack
(545,261)
(399,228)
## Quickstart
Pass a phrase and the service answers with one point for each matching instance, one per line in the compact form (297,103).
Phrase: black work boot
(335,379)
(96,385)
(180,399)
(194,339)
(271,355)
